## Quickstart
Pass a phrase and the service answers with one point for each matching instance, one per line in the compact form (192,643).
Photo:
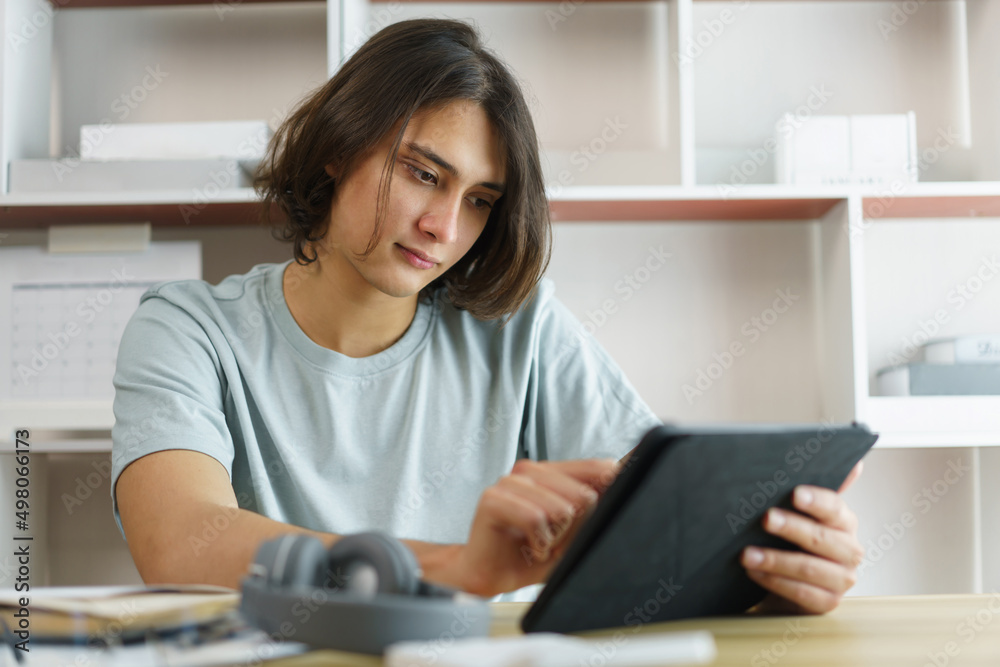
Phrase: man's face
(448,175)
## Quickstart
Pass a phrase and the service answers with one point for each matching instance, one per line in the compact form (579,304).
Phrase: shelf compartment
(565,210)
(167,207)
(743,63)
(606,203)
(934,421)
(955,199)
(932,206)
(64,426)
(94,4)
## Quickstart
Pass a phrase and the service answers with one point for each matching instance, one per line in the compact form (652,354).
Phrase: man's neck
(343,312)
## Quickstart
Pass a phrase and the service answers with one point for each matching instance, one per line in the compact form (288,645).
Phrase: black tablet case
(665,539)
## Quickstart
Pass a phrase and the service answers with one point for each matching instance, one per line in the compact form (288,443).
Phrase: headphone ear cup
(355,560)
(291,560)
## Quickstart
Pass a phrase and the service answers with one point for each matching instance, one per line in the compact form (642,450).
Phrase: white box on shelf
(69,175)
(813,151)
(922,379)
(243,140)
(884,148)
(984,349)
(846,150)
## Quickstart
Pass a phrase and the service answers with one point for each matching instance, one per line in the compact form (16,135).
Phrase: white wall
(604,61)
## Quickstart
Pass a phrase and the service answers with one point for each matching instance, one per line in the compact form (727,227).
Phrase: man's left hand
(813,581)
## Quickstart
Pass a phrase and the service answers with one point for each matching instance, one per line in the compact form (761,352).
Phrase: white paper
(253,648)
(553,650)
(66,313)
(44,593)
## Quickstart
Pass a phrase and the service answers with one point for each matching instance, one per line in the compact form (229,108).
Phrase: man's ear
(330,170)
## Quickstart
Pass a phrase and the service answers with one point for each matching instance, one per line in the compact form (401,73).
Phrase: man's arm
(183,523)
(522,524)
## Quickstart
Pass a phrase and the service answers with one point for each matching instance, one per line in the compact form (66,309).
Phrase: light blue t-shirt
(403,441)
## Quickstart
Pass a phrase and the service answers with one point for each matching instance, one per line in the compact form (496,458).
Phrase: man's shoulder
(199,296)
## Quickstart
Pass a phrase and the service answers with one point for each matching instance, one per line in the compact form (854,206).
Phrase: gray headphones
(360,595)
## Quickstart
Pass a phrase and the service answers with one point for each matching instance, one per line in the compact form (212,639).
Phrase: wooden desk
(910,631)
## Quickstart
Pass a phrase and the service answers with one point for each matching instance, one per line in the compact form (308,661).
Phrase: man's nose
(441,222)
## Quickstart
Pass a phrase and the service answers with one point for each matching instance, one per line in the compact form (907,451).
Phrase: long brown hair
(405,68)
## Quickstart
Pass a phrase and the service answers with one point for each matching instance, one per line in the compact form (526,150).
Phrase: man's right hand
(522,526)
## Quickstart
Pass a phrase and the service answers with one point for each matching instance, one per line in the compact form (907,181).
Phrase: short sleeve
(585,406)
(169,390)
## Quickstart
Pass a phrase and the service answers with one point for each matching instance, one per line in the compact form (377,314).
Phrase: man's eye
(481,204)
(421,175)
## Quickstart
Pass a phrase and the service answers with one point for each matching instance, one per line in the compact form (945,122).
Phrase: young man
(410,372)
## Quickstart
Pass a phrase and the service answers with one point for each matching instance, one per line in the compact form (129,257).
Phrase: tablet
(665,539)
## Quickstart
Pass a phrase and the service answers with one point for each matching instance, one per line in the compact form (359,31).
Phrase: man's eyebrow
(447,166)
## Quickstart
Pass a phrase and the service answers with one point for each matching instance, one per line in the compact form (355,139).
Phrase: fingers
(551,513)
(835,544)
(826,506)
(525,518)
(543,503)
(801,567)
(827,530)
(810,599)
(595,473)
(565,481)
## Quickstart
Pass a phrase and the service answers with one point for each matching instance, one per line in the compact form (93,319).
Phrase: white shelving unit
(696,87)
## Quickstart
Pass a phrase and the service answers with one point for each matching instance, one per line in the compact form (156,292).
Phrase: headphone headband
(283,595)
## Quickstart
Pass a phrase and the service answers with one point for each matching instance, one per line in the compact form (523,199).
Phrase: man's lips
(419,259)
